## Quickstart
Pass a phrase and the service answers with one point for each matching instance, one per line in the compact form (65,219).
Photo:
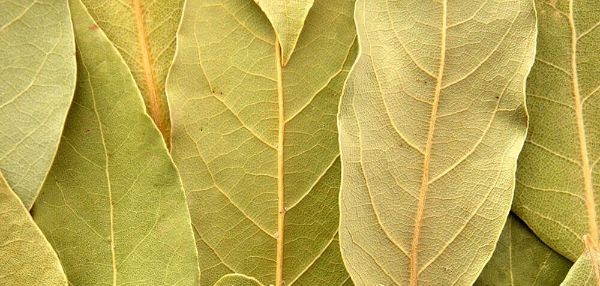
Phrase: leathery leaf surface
(557,179)
(144,33)
(255,142)
(26,257)
(523,259)
(431,122)
(37,79)
(113,205)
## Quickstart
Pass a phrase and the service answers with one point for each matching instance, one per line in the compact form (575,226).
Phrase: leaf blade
(36,88)
(26,257)
(521,258)
(227,128)
(556,175)
(401,77)
(113,182)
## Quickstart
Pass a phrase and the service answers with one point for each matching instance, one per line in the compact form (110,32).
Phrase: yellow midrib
(586,170)
(152,95)
(413,265)
(280,190)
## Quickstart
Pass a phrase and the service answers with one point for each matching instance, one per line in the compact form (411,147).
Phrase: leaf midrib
(155,104)
(586,170)
(280,171)
(581,133)
(413,266)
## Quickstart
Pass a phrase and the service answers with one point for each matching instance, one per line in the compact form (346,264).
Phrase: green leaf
(26,257)
(113,206)
(144,33)
(557,176)
(582,272)
(256,142)
(521,258)
(37,79)
(287,18)
(431,123)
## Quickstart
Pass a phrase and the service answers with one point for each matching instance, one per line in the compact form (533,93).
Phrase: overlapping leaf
(26,257)
(113,206)
(557,177)
(431,123)
(144,33)
(582,273)
(521,258)
(37,79)
(255,142)
(287,18)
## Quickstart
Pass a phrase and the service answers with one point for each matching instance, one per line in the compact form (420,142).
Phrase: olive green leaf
(287,18)
(37,79)
(582,273)
(557,176)
(113,206)
(26,257)
(431,122)
(521,258)
(144,33)
(256,142)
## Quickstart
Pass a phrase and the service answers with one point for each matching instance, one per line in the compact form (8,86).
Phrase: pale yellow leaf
(431,123)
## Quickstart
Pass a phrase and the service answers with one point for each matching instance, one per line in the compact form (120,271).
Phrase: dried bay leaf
(26,257)
(431,122)
(37,79)
(557,178)
(113,206)
(256,141)
(144,33)
(521,258)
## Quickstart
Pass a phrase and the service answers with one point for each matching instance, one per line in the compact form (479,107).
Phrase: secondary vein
(280,190)
(413,266)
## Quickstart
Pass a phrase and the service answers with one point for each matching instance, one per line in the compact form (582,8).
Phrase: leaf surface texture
(37,79)
(521,258)
(431,122)
(26,257)
(113,206)
(254,139)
